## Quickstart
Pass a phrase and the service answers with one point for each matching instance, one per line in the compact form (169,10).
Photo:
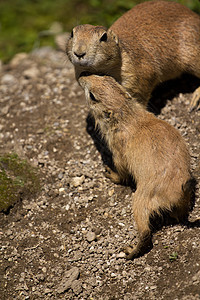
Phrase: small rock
(111,192)
(9,232)
(77,181)
(7,79)
(76,287)
(123,211)
(153,287)
(121,224)
(67,207)
(121,255)
(198,127)
(64,286)
(44,269)
(60,176)
(77,256)
(68,278)
(92,282)
(31,73)
(47,291)
(40,131)
(40,277)
(5,110)
(29,147)
(17,59)
(196,276)
(91,236)
(28,206)
(72,273)
(25,286)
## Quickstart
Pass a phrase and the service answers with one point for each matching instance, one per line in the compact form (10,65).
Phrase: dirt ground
(67,242)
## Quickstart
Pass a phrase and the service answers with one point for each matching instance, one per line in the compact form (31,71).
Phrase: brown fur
(151,43)
(144,147)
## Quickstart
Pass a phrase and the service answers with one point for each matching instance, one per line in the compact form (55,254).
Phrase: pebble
(196,276)
(67,207)
(5,110)
(111,192)
(7,79)
(77,181)
(47,291)
(121,255)
(67,280)
(9,232)
(91,236)
(31,73)
(121,224)
(76,287)
(44,269)
(17,59)
(153,287)
(60,176)
(123,211)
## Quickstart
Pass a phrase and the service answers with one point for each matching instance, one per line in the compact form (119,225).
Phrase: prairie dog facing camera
(149,150)
(153,42)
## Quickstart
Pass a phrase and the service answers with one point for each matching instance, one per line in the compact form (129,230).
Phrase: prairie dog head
(106,98)
(93,48)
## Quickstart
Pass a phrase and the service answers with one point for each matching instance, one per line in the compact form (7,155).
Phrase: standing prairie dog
(151,43)
(144,147)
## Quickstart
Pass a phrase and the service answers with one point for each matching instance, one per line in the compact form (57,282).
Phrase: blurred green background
(26,24)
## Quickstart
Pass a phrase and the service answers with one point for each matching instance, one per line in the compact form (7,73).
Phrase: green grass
(21,21)
(173,256)
(17,178)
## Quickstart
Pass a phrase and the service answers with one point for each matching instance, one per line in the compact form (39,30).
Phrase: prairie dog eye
(92,97)
(104,37)
(107,114)
(72,34)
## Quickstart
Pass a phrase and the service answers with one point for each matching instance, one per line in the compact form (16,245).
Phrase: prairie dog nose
(80,54)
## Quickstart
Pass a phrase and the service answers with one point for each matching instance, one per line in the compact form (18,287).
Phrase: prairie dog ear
(113,36)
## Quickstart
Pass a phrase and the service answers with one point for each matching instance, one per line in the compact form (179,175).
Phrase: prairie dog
(151,43)
(144,147)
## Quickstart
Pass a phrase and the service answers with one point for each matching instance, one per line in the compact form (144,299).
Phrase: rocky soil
(67,242)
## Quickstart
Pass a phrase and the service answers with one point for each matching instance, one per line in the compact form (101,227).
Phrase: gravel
(67,242)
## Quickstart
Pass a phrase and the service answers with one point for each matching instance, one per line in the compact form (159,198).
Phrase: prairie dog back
(168,33)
